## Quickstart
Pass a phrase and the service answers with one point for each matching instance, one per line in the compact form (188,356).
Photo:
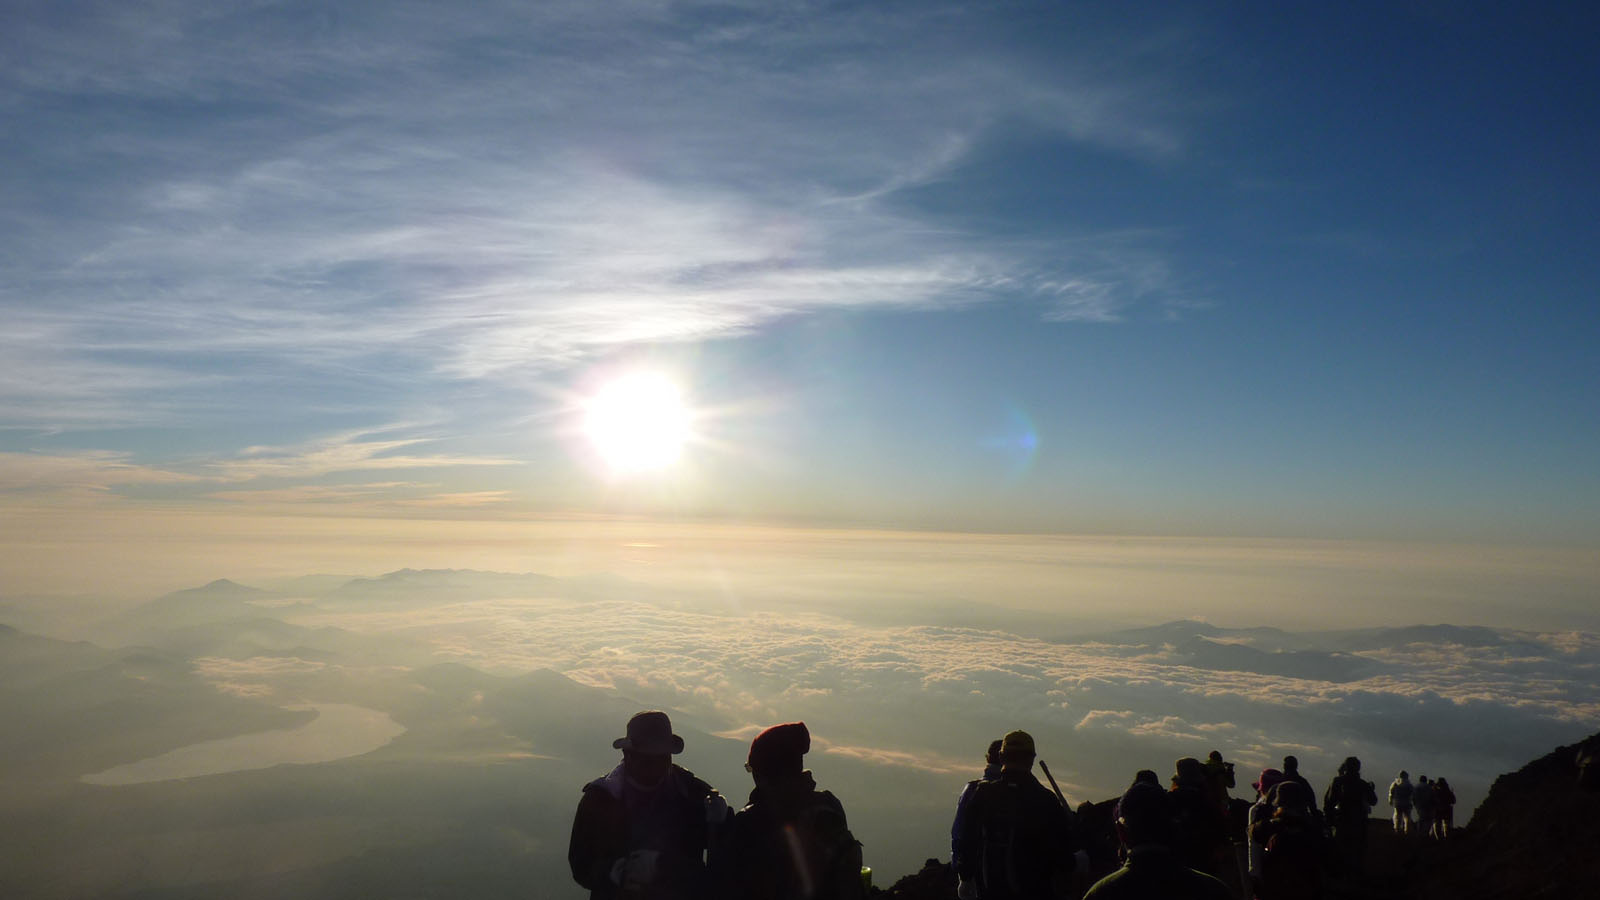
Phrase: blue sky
(1153,268)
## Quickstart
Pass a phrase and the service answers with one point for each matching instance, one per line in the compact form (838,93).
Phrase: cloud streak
(347,452)
(91,475)
(532,202)
(86,475)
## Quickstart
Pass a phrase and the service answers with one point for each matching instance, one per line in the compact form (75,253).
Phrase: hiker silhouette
(958,828)
(791,841)
(1201,838)
(1018,844)
(1400,791)
(642,830)
(1347,803)
(1444,810)
(1290,846)
(1145,823)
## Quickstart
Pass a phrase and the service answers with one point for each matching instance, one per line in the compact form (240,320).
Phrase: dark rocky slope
(1537,835)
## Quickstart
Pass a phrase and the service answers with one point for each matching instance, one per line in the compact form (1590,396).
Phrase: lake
(339,731)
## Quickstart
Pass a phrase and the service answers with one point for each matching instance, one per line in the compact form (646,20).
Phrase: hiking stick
(1054,787)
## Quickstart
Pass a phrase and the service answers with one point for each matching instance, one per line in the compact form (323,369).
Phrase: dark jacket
(1422,797)
(791,842)
(1291,866)
(1349,799)
(1299,779)
(615,818)
(1018,836)
(1154,872)
(1201,829)
(1444,800)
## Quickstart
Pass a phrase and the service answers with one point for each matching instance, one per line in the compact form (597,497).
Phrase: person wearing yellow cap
(1019,842)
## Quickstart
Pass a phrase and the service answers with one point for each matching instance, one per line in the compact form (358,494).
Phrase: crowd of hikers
(1433,802)
(651,830)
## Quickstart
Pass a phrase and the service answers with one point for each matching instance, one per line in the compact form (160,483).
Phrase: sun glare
(637,423)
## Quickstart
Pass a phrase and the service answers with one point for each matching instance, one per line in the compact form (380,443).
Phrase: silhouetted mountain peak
(1208,653)
(218,601)
(1181,631)
(425,585)
(222,587)
(1381,638)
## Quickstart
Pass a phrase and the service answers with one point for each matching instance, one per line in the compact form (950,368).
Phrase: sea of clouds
(537,673)
(1468,703)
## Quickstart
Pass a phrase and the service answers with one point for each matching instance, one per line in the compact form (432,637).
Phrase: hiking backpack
(1292,860)
(1353,798)
(998,828)
(827,856)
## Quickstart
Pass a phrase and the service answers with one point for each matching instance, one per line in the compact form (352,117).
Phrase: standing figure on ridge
(1291,772)
(1347,803)
(1018,843)
(1400,799)
(1422,799)
(991,772)
(1219,778)
(642,831)
(791,842)
(1444,809)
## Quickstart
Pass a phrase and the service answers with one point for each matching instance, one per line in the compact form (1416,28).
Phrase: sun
(637,423)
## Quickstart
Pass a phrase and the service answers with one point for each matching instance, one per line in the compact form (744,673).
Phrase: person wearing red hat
(642,831)
(791,842)
(1260,811)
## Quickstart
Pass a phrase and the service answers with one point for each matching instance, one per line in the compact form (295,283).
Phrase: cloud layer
(925,696)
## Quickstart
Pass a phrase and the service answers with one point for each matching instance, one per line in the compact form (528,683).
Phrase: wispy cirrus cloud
(391,495)
(346,452)
(87,475)
(407,197)
(278,475)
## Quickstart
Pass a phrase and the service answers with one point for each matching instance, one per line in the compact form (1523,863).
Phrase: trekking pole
(1080,859)
(1054,787)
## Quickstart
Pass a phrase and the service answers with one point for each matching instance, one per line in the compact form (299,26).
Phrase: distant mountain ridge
(1206,653)
(425,585)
